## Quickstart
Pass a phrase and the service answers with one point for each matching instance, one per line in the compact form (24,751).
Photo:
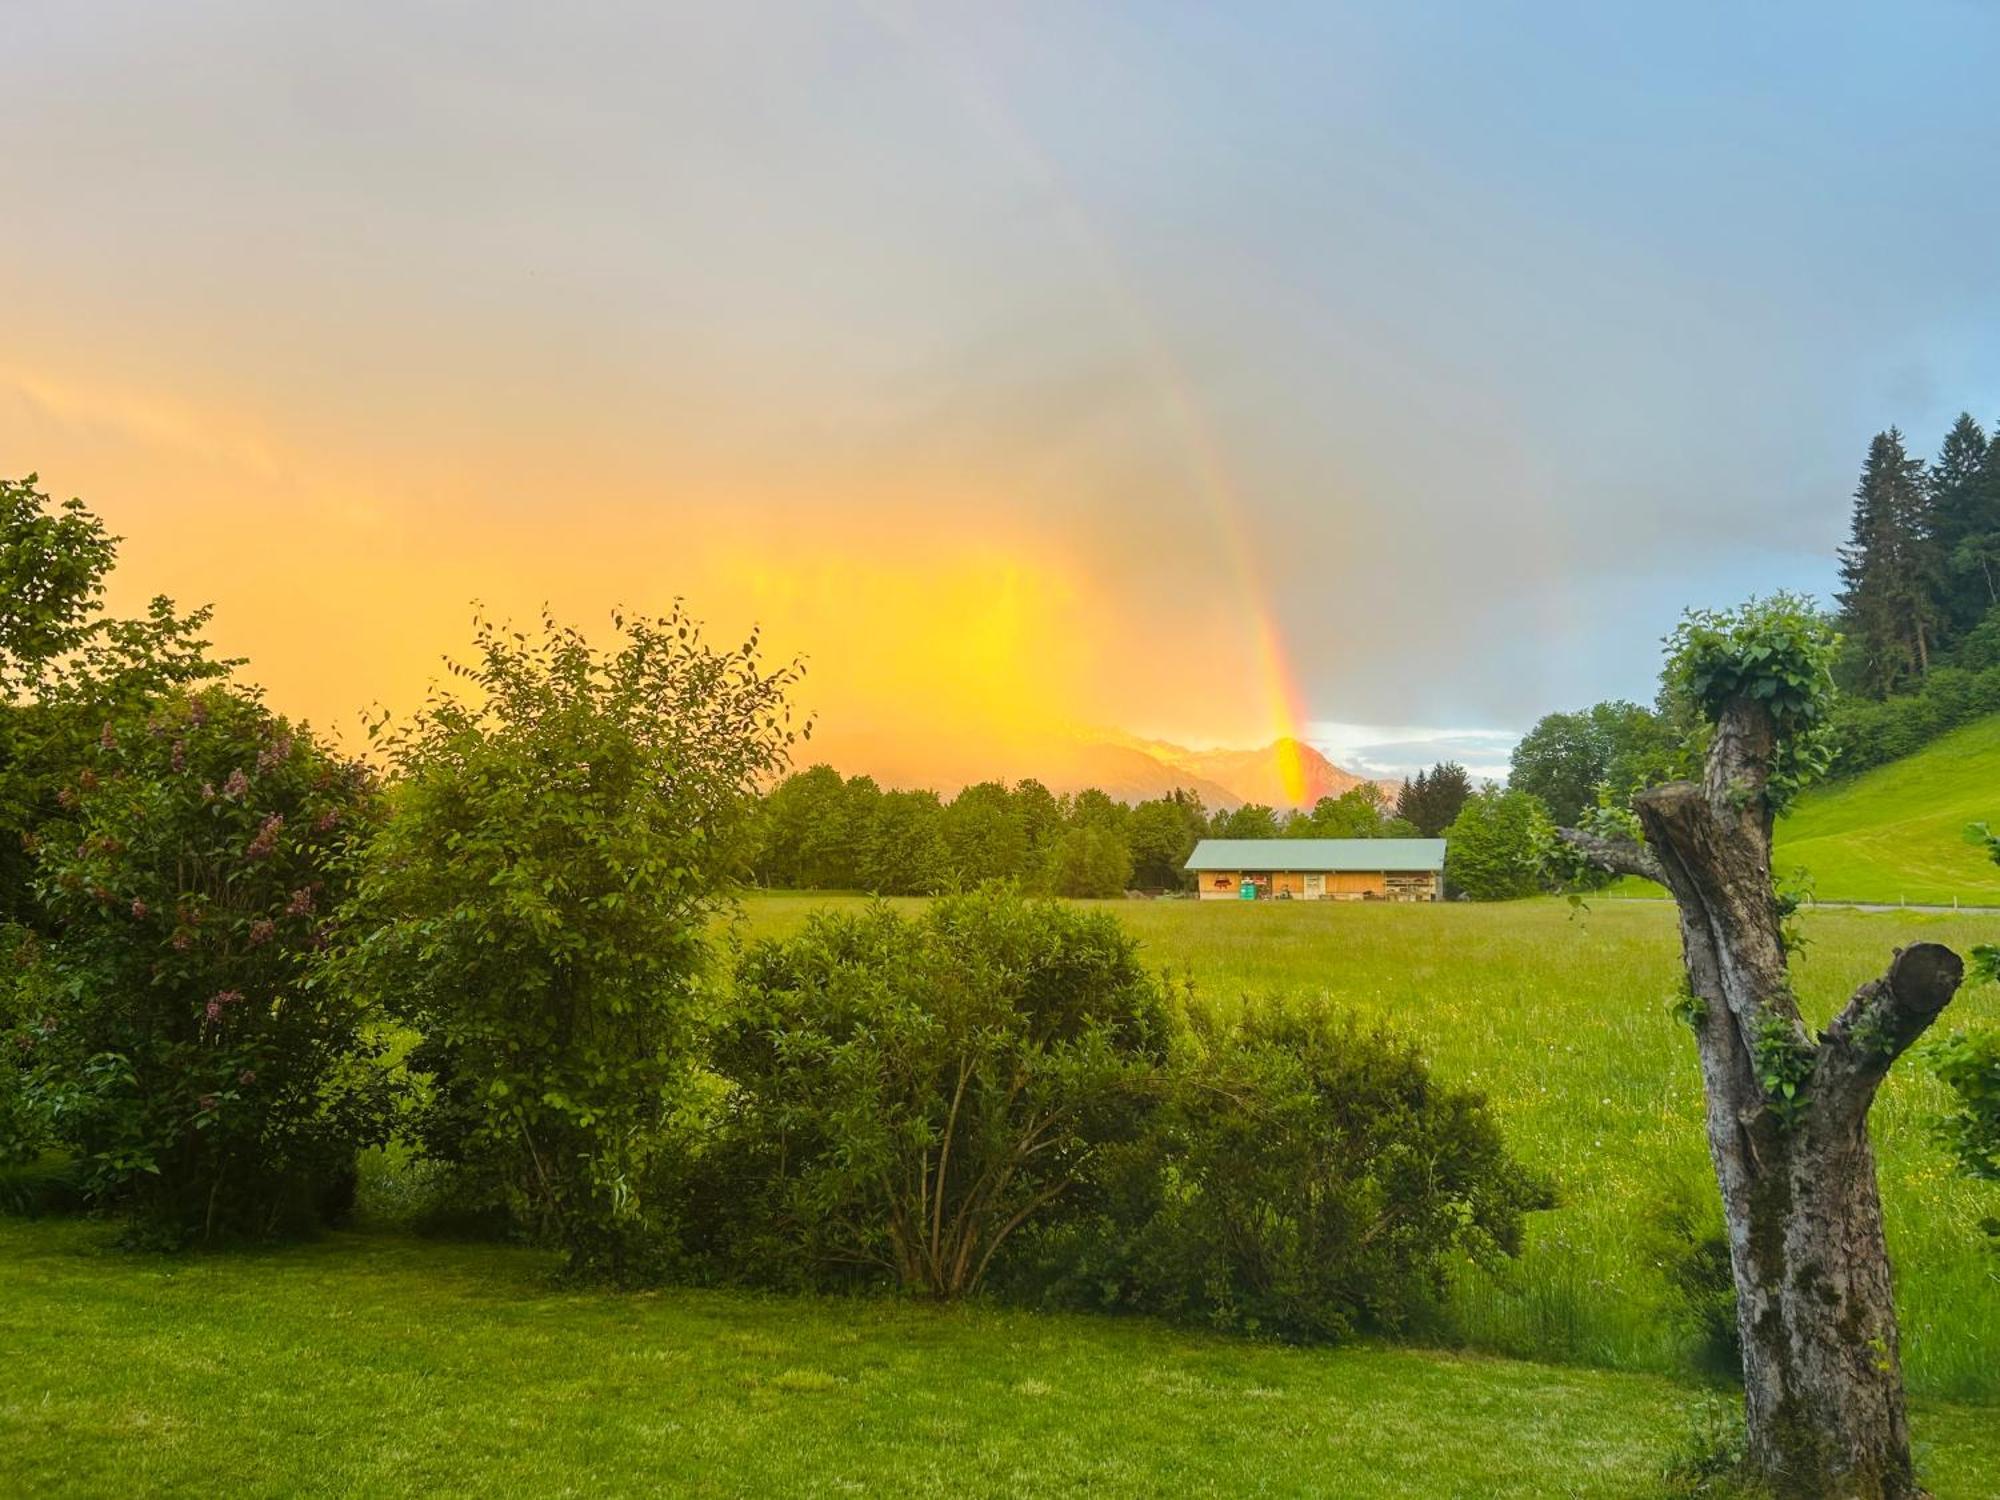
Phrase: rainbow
(1264,639)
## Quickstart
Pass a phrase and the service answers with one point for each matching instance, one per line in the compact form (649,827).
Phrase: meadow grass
(377,1365)
(1560,1016)
(1897,833)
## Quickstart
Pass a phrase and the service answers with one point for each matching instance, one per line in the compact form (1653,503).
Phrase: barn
(1318,869)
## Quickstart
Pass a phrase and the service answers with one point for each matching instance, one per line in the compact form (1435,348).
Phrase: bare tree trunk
(1822,1370)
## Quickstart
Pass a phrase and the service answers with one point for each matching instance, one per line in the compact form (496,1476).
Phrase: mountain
(1130,774)
(1283,774)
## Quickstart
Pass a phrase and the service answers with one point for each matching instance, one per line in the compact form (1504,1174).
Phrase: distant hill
(1896,833)
(1259,775)
(1129,774)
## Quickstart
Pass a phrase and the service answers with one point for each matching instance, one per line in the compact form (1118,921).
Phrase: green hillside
(1897,833)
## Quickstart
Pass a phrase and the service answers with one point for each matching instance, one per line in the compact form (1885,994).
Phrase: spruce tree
(1889,571)
(1965,510)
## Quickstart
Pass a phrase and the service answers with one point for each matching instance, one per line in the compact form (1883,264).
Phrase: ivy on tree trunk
(1787,1117)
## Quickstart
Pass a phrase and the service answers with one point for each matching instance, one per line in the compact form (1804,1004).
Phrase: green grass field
(1561,1018)
(381,1366)
(1897,832)
(374,1363)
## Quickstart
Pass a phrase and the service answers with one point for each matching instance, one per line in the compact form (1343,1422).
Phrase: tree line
(817,830)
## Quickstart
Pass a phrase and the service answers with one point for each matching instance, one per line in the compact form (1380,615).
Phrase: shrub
(1306,1178)
(207,1080)
(535,908)
(905,1094)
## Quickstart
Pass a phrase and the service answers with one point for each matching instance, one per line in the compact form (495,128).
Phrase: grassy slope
(1897,833)
(373,1365)
(1561,1018)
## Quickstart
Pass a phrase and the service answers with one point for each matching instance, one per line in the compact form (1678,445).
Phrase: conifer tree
(1965,510)
(1889,571)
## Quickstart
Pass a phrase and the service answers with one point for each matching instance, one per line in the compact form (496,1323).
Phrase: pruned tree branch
(1620,856)
(1883,1018)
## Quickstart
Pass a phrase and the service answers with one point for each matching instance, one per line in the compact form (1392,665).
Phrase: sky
(1390,375)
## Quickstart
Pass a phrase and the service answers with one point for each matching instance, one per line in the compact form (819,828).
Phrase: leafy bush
(535,907)
(905,1094)
(1969,1064)
(1498,846)
(187,1052)
(1306,1178)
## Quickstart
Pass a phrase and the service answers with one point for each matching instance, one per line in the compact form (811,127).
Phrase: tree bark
(1822,1371)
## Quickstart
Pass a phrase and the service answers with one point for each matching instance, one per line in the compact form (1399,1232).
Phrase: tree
(1089,862)
(66,667)
(1494,848)
(1965,508)
(1432,799)
(1355,814)
(1786,1111)
(208,1079)
(1889,570)
(1041,815)
(536,906)
(807,838)
(1163,834)
(904,852)
(1251,821)
(984,834)
(1567,756)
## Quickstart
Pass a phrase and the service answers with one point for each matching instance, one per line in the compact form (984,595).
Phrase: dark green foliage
(903,852)
(65,667)
(985,835)
(1969,1064)
(53,561)
(1304,1178)
(815,831)
(535,906)
(1567,757)
(1162,834)
(187,1047)
(1430,800)
(810,831)
(1088,862)
(1891,570)
(1497,848)
(1251,821)
(1356,813)
(1777,651)
(1865,733)
(1965,512)
(904,1094)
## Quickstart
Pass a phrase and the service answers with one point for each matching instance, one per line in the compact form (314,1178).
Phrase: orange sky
(943,640)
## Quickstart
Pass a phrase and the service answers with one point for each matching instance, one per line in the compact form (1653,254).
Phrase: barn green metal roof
(1399,855)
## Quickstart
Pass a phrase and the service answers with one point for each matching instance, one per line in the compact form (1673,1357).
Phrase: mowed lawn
(372,1365)
(1560,1016)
